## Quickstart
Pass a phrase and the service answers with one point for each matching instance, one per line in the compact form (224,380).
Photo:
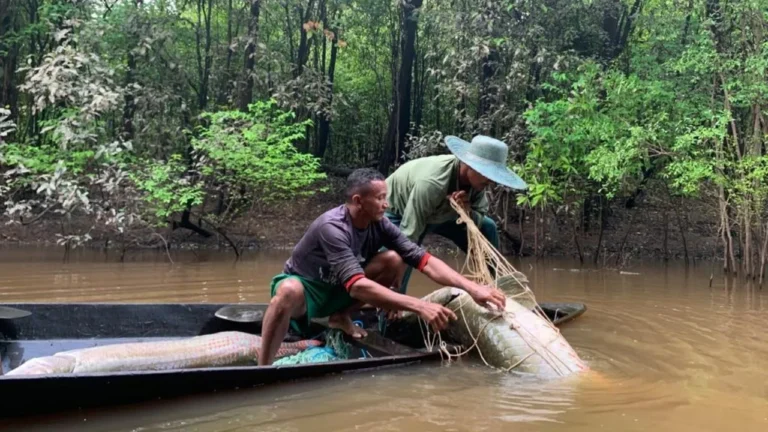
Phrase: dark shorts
(322,300)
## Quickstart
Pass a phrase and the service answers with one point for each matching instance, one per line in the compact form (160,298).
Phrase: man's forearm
(442,273)
(368,291)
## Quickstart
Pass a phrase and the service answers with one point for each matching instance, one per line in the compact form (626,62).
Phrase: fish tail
(45,365)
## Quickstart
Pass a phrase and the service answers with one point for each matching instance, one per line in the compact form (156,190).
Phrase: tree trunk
(730,261)
(665,246)
(624,240)
(8,62)
(204,58)
(289,33)
(602,230)
(682,233)
(747,258)
(405,77)
(304,44)
(302,57)
(420,73)
(487,94)
(245,96)
(618,25)
(325,121)
(763,252)
(400,117)
(576,240)
(129,108)
(227,90)
(520,220)
(684,40)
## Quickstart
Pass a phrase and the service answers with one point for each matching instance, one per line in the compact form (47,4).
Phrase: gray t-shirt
(333,250)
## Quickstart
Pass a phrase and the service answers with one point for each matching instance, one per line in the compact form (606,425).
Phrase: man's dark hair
(360,179)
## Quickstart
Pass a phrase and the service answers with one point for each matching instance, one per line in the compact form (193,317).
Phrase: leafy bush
(253,153)
(246,158)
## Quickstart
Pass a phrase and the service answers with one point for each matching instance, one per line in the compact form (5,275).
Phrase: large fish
(517,340)
(218,349)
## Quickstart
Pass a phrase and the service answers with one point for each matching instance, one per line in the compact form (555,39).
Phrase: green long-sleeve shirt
(418,192)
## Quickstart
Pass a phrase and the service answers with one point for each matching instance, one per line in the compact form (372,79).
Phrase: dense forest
(144,117)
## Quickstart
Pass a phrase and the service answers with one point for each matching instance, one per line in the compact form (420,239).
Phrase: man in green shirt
(419,191)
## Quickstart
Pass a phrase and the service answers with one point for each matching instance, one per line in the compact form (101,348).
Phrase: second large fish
(218,349)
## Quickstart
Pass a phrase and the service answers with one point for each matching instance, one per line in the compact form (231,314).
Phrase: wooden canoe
(52,328)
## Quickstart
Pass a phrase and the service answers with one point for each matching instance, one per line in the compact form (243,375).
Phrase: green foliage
(696,161)
(255,151)
(249,156)
(595,136)
(166,187)
(601,130)
(126,108)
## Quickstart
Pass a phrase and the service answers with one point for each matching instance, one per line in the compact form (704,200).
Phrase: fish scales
(214,350)
(518,340)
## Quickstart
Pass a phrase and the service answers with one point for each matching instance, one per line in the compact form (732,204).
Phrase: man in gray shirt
(338,265)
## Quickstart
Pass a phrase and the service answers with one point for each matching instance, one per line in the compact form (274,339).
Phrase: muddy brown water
(673,353)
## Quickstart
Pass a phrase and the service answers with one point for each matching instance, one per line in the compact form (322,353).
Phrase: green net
(335,349)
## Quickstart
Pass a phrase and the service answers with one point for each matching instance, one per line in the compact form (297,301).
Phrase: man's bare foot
(344,323)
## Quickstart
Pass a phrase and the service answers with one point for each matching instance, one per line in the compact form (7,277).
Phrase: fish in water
(517,340)
(229,348)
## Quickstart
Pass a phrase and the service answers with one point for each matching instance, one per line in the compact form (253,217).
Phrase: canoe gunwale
(90,322)
(417,355)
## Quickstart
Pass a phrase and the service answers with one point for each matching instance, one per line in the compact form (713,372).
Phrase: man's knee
(490,230)
(385,268)
(289,295)
(489,224)
(391,259)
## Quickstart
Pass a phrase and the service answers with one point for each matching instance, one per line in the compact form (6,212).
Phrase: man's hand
(392,314)
(443,274)
(369,291)
(483,294)
(461,198)
(436,315)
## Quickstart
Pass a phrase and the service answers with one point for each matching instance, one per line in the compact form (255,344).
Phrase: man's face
(373,202)
(477,180)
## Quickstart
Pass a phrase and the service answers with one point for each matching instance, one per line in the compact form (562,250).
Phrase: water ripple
(667,353)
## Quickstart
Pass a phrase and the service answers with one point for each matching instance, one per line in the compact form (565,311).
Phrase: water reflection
(669,351)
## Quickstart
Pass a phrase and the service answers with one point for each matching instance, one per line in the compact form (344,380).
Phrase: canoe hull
(63,392)
(54,328)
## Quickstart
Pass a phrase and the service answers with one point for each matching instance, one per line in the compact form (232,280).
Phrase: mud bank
(651,228)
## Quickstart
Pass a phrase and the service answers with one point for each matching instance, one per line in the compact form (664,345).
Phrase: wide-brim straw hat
(488,156)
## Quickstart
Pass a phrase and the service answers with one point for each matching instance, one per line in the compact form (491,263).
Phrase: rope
(480,256)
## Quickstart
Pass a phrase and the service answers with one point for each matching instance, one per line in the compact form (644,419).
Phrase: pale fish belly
(518,340)
(219,349)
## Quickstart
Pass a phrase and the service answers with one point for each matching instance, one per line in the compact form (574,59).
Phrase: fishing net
(487,266)
(482,257)
(335,349)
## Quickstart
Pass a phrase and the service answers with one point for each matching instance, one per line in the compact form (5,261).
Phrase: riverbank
(653,228)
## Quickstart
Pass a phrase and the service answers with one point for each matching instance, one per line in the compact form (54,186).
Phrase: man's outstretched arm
(371,292)
(436,269)
(443,274)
